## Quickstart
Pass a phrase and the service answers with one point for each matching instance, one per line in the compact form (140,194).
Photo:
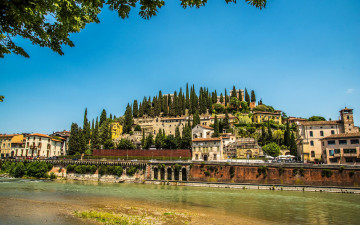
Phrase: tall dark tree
(187,97)
(74,144)
(293,146)
(287,135)
(247,97)
(240,95)
(149,141)
(95,136)
(226,124)
(269,134)
(135,109)
(177,137)
(233,93)
(86,128)
(128,121)
(159,142)
(102,117)
(226,98)
(253,97)
(186,137)
(216,127)
(221,98)
(143,139)
(196,119)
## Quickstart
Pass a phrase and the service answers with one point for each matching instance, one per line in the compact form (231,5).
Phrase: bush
(232,172)
(262,170)
(326,173)
(271,149)
(19,170)
(341,169)
(52,176)
(207,173)
(130,171)
(118,171)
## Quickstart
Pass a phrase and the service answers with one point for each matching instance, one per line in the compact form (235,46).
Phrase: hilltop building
(310,134)
(116,130)
(260,117)
(341,148)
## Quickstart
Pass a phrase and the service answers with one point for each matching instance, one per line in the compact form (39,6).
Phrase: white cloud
(350,90)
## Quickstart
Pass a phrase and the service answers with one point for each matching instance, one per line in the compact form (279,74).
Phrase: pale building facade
(200,131)
(260,117)
(310,133)
(207,149)
(5,145)
(341,148)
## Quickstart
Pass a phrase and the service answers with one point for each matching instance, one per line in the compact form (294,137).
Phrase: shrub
(341,169)
(232,172)
(207,173)
(118,171)
(281,170)
(130,171)
(102,170)
(326,173)
(19,170)
(52,176)
(262,170)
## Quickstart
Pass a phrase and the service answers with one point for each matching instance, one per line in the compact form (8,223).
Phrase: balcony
(350,154)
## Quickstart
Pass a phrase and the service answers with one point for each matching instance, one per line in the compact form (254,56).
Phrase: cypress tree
(226,98)
(86,127)
(95,136)
(149,141)
(293,146)
(269,135)
(186,137)
(233,93)
(247,97)
(135,109)
(240,95)
(102,117)
(141,110)
(158,140)
(196,119)
(74,139)
(177,137)
(160,102)
(165,105)
(287,135)
(187,97)
(263,135)
(221,98)
(253,97)
(128,120)
(226,124)
(216,127)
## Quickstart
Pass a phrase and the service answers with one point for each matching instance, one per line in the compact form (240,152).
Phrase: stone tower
(347,120)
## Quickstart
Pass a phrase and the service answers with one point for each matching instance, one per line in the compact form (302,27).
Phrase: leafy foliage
(271,149)
(33,169)
(316,118)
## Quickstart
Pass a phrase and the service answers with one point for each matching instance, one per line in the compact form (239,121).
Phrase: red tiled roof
(7,135)
(206,139)
(313,123)
(206,127)
(39,135)
(343,135)
(272,113)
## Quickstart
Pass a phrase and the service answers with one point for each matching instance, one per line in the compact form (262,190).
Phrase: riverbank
(275,187)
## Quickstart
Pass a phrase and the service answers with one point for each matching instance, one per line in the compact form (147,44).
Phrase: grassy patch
(108,218)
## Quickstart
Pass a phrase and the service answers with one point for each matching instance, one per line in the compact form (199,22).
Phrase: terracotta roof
(39,135)
(206,139)
(273,113)
(7,135)
(53,139)
(343,135)
(313,123)
(206,127)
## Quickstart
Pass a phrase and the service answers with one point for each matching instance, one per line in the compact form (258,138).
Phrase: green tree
(74,140)
(170,142)
(86,127)
(159,142)
(287,135)
(177,137)
(247,97)
(278,136)
(218,108)
(95,136)
(102,117)
(135,109)
(271,149)
(316,118)
(269,133)
(226,98)
(216,127)
(234,102)
(221,98)
(233,93)
(149,141)
(54,20)
(128,121)
(253,97)
(226,123)
(196,119)
(125,144)
(293,146)
(186,137)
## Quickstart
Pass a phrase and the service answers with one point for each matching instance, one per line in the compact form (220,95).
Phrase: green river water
(44,202)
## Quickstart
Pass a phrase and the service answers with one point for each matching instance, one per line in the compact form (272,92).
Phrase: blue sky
(302,57)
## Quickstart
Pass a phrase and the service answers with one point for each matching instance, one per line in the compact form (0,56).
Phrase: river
(25,201)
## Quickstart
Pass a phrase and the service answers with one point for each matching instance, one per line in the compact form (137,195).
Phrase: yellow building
(259,117)
(5,144)
(116,130)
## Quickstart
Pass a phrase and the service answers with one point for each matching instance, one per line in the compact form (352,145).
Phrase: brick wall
(146,153)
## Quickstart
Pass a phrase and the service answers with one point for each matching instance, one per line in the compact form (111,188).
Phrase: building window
(312,143)
(331,152)
(337,151)
(321,133)
(332,132)
(312,154)
(331,142)
(342,142)
(350,151)
(311,134)
(333,160)
(354,141)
